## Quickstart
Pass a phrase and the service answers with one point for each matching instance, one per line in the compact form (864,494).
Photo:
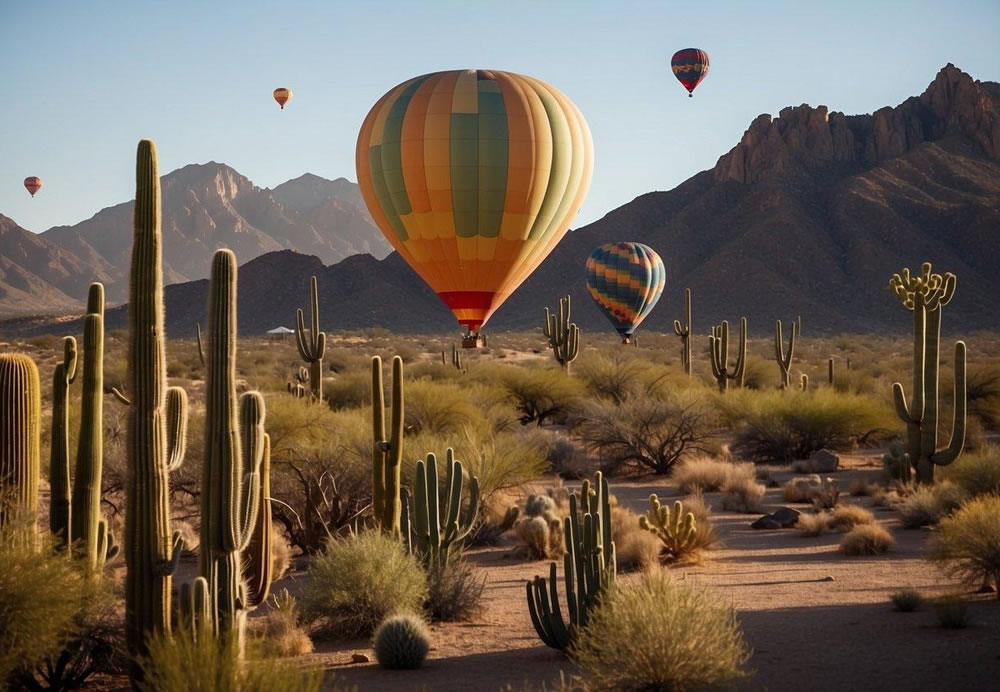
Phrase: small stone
(828,578)
(766,522)
(824,461)
(786,517)
(360,658)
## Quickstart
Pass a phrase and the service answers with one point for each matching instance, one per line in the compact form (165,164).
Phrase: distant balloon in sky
(690,66)
(473,177)
(32,184)
(282,96)
(625,280)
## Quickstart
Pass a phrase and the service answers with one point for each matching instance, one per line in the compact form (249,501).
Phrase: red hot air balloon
(282,95)
(690,66)
(32,184)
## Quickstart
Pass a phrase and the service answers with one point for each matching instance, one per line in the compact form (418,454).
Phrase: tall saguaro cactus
(436,533)
(783,357)
(59,479)
(684,332)
(311,342)
(387,453)
(563,335)
(718,344)
(20,433)
(157,425)
(925,295)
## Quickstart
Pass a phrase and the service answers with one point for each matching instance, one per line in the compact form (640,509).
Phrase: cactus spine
(157,425)
(20,436)
(563,335)
(312,342)
(59,480)
(684,332)
(589,567)
(387,454)
(436,534)
(925,295)
(673,526)
(784,358)
(718,344)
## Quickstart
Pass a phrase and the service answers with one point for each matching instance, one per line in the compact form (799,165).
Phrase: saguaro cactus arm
(59,477)
(782,357)
(684,332)
(563,335)
(387,453)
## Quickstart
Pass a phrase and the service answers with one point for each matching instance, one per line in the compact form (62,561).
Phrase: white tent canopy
(280,331)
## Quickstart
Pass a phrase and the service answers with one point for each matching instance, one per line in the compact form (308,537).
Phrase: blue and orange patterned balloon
(690,66)
(625,280)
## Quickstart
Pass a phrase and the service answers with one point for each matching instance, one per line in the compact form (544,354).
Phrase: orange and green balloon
(625,280)
(474,176)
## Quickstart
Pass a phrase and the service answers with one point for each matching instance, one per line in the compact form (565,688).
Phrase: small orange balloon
(32,184)
(282,96)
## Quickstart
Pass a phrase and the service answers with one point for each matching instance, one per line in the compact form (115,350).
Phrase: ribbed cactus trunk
(311,342)
(387,453)
(783,357)
(718,344)
(20,433)
(563,335)
(157,420)
(60,507)
(684,332)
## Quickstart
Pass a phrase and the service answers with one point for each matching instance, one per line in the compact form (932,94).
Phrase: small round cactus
(402,642)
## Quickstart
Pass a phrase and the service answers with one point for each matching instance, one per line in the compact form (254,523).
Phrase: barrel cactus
(20,445)
(401,642)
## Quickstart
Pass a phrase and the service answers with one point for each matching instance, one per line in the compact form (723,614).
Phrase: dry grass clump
(968,542)
(977,473)
(866,539)
(707,537)
(742,494)
(542,536)
(846,517)
(907,600)
(281,552)
(812,525)
(826,495)
(453,590)
(657,634)
(281,631)
(862,488)
(925,505)
(702,473)
(799,490)
(634,548)
(354,583)
(952,611)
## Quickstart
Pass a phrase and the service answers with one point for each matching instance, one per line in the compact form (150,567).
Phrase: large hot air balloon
(625,280)
(690,66)
(32,184)
(282,96)
(473,177)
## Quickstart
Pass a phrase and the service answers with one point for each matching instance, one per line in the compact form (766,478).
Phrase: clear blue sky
(83,81)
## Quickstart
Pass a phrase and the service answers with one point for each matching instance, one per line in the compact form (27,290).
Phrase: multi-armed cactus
(718,343)
(589,567)
(684,332)
(20,433)
(436,533)
(387,453)
(783,357)
(925,295)
(298,387)
(311,342)
(235,448)
(563,335)
(674,527)
(157,425)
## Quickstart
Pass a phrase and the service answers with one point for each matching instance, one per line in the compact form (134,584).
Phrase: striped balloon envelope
(474,176)
(625,280)
(282,95)
(32,184)
(690,67)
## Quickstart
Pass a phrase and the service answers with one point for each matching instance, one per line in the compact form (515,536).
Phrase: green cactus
(201,345)
(59,477)
(436,533)
(312,342)
(684,332)
(563,335)
(235,447)
(20,433)
(925,295)
(387,454)
(588,565)
(401,642)
(830,372)
(456,357)
(718,343)
(783,357)
(195,608)
(157,426)
(804,382)
(674,527)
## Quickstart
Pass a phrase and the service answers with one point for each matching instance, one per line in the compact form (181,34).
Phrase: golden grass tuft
(866,539)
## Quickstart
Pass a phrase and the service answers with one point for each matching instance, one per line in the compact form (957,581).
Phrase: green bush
(968,542)
(983,394)
(453,589)
(657,634)
(356,582)
(401,642)
(440,408)
(352,389)
(977,473)
(539,395)
(926,505)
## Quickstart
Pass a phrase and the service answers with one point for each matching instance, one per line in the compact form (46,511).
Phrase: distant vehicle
(32,184)
(282,95)
(625,280)
(690,66)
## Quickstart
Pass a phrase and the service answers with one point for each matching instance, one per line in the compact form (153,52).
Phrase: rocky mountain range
(809,214)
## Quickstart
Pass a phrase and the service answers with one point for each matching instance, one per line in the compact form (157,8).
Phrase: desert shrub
(846,517)
(647,434)
(702,472)
(783,426)
(539,395)
(354,583)
(635,548)
(440,408)
(453,589)
(564,460)
(866,539)
(502,460)
(977,473)
(281,631)
(968,542)
(657,634)
(952,611)
(350,390)
(906,600)
(707,537)
(742,494)
(541,535)
(826,495)
(341,360)
(800,489)
(759,373)
(812,525)
(207,664)
(401,642)
(861,488)
(983,394)
(925,505)
(614,376)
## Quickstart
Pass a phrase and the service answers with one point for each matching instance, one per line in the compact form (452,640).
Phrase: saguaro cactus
(387,454)
(589,567)
(435,534)
(59,479)
(718,343)
(312,342)
(804,382)
(782,357)
(925,295)
(673,526)
(830,372)
(456,357)
(157,425)
(20,433)
(563,335)
(684,332)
